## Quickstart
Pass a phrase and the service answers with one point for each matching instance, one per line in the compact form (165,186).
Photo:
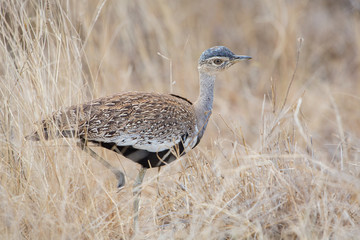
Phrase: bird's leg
(137,192)
(118,174)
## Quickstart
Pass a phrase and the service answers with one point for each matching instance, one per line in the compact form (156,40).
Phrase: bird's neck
(204,103)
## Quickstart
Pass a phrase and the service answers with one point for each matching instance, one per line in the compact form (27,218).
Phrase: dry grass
(271,165)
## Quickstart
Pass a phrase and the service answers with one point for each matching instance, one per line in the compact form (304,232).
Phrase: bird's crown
(218,51)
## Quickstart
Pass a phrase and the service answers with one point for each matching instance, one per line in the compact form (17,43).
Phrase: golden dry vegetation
(281,155)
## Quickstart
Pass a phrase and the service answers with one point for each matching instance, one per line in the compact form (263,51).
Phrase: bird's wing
(147,121)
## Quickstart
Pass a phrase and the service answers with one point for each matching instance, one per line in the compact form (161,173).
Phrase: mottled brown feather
(145,118)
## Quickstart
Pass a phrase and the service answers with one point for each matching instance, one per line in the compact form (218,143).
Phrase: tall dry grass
(281,156)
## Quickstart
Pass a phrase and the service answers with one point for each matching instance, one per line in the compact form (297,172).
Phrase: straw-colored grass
(281,155)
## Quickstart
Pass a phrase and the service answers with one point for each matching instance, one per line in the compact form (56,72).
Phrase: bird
(151,129)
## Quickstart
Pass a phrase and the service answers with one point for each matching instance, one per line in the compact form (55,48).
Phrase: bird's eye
(218,61)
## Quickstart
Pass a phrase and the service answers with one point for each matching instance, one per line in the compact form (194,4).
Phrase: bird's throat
(204,103)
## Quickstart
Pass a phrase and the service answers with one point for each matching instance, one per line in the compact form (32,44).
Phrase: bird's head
(216,59)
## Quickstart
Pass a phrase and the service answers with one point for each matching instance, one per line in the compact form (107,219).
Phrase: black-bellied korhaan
(151,129)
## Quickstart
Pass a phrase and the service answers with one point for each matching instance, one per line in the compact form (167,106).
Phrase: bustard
(151,129)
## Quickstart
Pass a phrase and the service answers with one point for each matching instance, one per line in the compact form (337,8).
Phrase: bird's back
(132,121)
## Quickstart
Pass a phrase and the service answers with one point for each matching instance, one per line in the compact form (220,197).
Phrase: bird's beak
(241,57)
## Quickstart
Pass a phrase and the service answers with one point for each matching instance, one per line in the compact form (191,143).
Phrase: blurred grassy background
(271,165)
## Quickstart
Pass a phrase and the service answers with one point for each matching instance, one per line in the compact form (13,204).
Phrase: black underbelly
(143,157)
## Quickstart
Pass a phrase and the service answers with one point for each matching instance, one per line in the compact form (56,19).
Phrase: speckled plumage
(132,117)
(145,121)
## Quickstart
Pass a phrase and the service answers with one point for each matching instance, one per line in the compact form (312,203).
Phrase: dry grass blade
(300,42)
(267,168)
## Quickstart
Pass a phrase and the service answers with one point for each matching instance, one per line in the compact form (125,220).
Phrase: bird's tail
(46,130)
(34,136)
(56,126)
